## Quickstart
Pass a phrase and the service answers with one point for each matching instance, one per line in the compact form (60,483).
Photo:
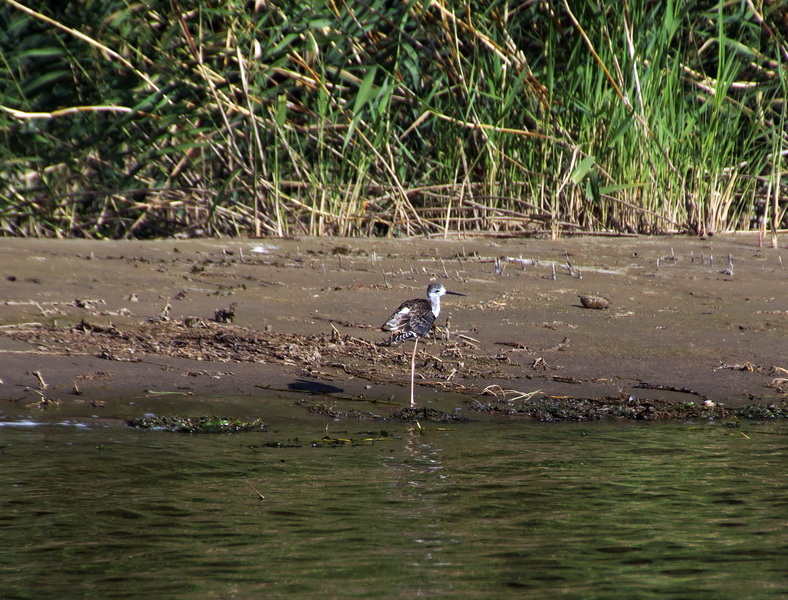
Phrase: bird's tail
(399,337)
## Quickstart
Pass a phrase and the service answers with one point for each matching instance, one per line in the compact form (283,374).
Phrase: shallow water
(479,510)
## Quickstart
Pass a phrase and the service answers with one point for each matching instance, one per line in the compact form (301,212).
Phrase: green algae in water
(197,424)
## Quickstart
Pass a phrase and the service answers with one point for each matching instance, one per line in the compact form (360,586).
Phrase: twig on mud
(513,345)
(491,390)
(468,339)
(523,395)
(42,383)
(729,269)
(41,310)
(163,316)
(572,271)
(560,346)
(43,401)
(496,391)
(363,342)
(753,368)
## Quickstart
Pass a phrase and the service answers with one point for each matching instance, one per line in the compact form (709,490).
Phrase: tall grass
(123,119)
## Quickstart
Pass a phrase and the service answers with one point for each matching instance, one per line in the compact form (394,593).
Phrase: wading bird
(414,319)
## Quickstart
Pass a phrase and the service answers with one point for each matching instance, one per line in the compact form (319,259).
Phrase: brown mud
(580,328)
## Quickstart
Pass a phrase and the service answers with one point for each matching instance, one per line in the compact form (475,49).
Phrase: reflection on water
(478,511)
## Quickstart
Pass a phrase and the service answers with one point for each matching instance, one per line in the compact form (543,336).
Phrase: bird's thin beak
(455,293)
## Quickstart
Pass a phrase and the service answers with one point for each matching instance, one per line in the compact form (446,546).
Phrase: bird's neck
(435,303)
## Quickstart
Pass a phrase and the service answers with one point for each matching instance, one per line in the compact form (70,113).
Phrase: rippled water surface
(495,510)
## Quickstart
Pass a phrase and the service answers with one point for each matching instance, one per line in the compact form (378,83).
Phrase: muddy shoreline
(279,325)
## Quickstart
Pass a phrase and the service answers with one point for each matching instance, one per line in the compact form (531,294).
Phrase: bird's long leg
(413,373)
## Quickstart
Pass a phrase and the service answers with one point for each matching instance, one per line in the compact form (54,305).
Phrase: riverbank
(88,326)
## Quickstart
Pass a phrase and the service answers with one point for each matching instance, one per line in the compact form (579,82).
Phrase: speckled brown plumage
(415,318)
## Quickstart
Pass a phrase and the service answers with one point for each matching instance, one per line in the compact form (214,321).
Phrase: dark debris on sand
(548,409)
(409,415)
(219,342)
(423,413)
(451,368)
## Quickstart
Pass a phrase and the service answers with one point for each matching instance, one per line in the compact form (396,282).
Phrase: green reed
(159,118)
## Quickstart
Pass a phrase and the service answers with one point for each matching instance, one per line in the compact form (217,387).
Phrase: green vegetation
(124,119)
(197,424)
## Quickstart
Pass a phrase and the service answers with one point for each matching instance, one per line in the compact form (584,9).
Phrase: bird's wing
(399,320)
(410,322)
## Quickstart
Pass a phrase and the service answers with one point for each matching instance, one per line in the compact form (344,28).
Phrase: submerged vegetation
(124,119)
(197,424)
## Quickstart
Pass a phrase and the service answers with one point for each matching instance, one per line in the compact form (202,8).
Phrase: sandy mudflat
(684,324)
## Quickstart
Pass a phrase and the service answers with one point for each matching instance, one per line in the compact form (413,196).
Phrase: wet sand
(684,325)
